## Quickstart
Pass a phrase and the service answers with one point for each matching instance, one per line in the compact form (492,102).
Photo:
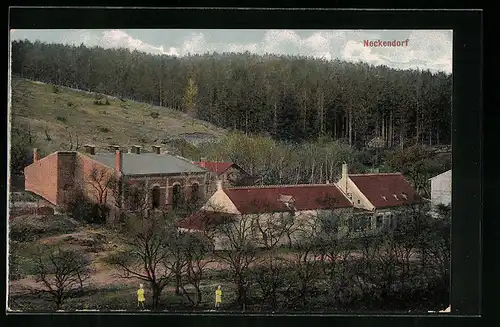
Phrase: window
(195,193)
(379,222)
(155,196)
(134,198)
(176,196)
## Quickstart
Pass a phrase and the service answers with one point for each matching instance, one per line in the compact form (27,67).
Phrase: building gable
(385,190)
(220,202)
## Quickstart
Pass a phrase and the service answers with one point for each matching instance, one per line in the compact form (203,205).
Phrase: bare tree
(239,252)
(48,138)
(77,143)
(176,260)
(61,273)
(101,181)
(305,270)
(146,257)
(196,250)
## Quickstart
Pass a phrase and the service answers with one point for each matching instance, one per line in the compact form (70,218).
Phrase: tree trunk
(156,295)
(383,129)
(275,119)
(350,124)
(401,140)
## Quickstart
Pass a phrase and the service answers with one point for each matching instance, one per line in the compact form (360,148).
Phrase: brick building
(229,173)
(165,180)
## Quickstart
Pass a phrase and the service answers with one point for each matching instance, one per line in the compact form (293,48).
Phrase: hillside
(55,116)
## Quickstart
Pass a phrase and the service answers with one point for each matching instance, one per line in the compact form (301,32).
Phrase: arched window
(176,196)
(133,198)
(195,193)
(155,196)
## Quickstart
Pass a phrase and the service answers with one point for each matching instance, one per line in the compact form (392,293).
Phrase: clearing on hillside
(56,115)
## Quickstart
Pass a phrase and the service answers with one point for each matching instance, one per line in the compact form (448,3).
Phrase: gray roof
(149,163)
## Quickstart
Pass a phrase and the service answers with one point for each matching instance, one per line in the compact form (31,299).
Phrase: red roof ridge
(377,174)
(278,186)
(215,162)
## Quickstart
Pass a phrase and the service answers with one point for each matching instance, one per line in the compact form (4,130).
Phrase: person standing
(218,297)
(140,296)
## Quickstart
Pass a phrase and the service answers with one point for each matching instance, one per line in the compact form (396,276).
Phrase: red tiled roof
(306,197)
(393,187)
(216,167)
(202,220)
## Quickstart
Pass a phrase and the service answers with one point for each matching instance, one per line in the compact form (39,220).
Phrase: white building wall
(441,189)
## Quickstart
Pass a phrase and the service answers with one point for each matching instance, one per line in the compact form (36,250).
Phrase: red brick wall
(166,185)
(84,182)
(66,163)
(41,178)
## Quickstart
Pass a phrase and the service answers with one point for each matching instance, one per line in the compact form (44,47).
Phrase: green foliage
(62,119)
(190,98)
(288,97)
(83,210)
(418,164)
(103,129)
(24,229)
(155,114)
(55,89)
(22,143)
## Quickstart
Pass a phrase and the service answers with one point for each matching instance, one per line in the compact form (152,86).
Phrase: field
(53,113)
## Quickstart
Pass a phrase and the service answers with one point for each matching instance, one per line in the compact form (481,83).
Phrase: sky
(425,49)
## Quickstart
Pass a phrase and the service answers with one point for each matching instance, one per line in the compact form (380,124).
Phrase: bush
(31,228)
(55,89)
(62,119)
(103,129)
(101,102)
(155,114)
(83,210)
(70,104)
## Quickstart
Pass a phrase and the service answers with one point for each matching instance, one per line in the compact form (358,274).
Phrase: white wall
(441,189)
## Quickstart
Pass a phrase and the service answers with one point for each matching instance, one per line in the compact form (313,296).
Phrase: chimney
(36,155)
(135,149)
(344,175)
(90,149)
(118,161)
(202,162)
(156,149)
(219,185)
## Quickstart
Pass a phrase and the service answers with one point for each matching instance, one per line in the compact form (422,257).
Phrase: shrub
(155,114)
(55,89)
(103,129)
(62,119)
(27,229)
(70,104)
(83,210)
(101,102)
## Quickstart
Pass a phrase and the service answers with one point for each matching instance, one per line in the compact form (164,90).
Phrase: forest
(288,98)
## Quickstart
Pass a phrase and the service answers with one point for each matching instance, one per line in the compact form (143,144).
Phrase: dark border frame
(466,139)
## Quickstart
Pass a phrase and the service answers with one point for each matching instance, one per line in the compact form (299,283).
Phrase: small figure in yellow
(140,296)
(218,297)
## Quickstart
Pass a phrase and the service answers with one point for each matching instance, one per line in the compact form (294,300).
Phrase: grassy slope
(34,104)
